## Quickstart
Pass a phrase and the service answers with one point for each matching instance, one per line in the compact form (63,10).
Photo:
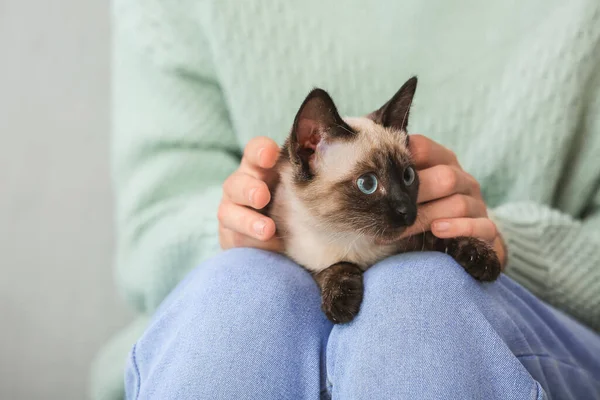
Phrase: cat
(347,190)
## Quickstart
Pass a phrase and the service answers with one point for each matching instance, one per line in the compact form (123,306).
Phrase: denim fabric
(247,325)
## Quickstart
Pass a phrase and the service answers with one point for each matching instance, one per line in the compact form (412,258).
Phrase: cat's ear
(394,113)
(316,120)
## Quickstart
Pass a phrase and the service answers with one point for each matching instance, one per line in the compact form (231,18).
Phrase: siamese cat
(347,190)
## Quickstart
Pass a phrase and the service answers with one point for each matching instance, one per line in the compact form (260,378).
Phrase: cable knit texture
(512,87)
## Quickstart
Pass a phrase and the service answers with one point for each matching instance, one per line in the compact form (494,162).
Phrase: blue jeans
(247,325)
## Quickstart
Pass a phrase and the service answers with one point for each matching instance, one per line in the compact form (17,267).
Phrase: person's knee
(235,296)
(249,280)
(412,299)
(250,288)
(417,271)
(423,316)
(430,283)
(248,267)
(423,298)
(240,312)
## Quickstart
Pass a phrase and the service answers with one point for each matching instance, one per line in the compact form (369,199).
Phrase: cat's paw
(476,256)
(342,293)
(341,300)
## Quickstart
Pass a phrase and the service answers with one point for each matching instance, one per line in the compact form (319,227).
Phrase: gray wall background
(58,303)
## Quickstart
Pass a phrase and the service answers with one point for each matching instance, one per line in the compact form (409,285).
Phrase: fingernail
(442,226)
(251,195)
(259,226)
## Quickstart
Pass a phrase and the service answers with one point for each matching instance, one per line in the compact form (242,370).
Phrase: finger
(246,221)
(455,206)
(246,190)
(482,228)
(231,239)
(260,153)
(442,181)
(426,153)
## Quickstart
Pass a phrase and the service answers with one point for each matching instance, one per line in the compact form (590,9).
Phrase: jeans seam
(137,371)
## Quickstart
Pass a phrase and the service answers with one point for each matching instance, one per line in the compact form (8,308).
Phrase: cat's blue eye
(409,176)
(367,183)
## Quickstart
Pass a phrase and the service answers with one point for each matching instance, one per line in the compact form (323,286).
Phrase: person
(506,137)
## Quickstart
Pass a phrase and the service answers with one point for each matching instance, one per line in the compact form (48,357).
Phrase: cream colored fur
(309,239)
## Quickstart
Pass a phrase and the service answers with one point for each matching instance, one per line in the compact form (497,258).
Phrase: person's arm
(173,146)
(553,254)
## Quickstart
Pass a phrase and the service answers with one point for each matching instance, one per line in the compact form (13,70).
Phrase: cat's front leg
(341,291)
(477,257)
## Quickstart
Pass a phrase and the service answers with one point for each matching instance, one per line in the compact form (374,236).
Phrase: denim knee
(253,277)
(431,328)
(240,313)
(238,293)
(427,284)
(419,301)
(253,268)
(420,268)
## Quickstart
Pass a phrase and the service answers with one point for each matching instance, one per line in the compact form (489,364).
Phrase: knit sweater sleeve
(554,254)
(173,146)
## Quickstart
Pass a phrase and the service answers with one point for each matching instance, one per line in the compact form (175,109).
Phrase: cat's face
(355,175)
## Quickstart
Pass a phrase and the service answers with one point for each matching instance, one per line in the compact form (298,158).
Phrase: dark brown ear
(394,113)
(316,120)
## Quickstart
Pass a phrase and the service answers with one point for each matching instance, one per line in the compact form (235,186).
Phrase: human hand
(450,200)
(245,191)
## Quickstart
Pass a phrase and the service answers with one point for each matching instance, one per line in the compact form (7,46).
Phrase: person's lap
(247,324)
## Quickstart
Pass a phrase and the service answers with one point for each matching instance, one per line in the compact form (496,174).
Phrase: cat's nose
(401,210)
(403,214)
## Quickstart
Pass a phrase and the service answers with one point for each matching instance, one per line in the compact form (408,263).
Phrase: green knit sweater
(513,87)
